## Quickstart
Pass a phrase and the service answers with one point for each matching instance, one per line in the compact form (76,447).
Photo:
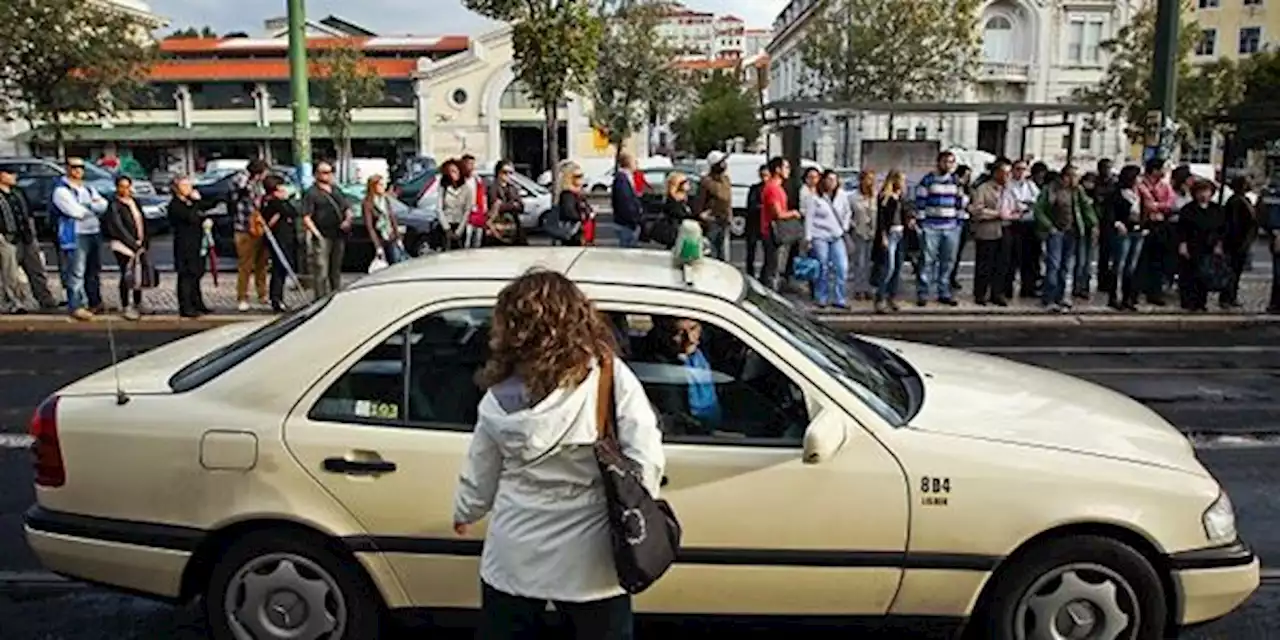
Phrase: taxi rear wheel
(1075,587)
(278,584)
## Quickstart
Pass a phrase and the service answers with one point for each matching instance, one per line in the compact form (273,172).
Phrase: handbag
(660,230)
(806,268)
(787,231)
(1217,272)
(644,530)
(257,224)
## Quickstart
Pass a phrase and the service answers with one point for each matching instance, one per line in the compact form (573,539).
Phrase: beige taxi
(298,473)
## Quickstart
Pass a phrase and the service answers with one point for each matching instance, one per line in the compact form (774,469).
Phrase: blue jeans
(939,245)
(1059,261)
(395,253)
(891,268)
(717,234)
(1084,267)
(82,273)
(1126,251)
(628,237)
(832,254)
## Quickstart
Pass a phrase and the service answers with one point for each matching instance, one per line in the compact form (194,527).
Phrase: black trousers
(1193,291)
(1025,260)
(279,274)
(1159,257)
(990,269)
(190,298)
(1106,270)
(1238,259)
(508,617)
(754,240)
(955,268)
(122,261)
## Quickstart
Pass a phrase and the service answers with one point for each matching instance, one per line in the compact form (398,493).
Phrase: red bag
(589,231)
(480,214)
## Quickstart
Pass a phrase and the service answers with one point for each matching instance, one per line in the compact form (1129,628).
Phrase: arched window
(997,39)
(515,97)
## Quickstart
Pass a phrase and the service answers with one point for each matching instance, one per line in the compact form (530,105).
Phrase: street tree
(725,110)
(634,70)
(1125,90)
(345,81)
(192,32)
(891,50)
(1260,79)
(557,45)
(68,61)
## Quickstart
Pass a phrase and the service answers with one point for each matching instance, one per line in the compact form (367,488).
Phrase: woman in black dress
(125,230)
(186,219)
(1201,231)
(282,224)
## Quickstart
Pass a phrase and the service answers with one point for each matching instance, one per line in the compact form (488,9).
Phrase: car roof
(590,265)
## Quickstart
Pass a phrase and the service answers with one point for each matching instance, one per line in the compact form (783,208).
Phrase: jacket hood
(566,417)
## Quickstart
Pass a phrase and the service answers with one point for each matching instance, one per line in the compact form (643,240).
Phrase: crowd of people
(1037,233)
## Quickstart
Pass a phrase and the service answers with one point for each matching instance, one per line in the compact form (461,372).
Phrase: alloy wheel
(1082,601)
(284,596)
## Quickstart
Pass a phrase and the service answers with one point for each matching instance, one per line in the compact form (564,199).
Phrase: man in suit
(625,202)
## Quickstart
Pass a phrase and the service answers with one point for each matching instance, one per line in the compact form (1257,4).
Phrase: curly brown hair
(546,331)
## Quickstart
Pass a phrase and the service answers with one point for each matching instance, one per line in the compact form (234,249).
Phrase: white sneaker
(243,306)
(132,314)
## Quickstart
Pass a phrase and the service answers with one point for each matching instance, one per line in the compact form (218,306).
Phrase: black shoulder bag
(645,531)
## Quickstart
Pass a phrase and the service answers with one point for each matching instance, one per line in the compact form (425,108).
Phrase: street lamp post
(300,90)
(1164,82)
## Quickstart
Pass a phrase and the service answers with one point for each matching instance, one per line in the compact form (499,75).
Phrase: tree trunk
(59,146)
(344,156)
(552,138)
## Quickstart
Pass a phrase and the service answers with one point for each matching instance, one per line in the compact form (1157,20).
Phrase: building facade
(1033,51)
(1234,29)
(230,98)
(705,35)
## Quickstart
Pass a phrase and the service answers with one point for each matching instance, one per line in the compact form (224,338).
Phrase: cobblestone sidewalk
(221,297)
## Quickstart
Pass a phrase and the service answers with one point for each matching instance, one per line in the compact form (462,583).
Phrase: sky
(396,17)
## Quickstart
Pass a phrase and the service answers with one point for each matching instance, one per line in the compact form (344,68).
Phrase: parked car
(316,457)
(419,189)
(36,177)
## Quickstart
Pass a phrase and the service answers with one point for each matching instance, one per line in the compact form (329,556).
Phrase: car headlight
(1220,521)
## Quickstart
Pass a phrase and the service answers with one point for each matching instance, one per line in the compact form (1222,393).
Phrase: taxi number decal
(935,485)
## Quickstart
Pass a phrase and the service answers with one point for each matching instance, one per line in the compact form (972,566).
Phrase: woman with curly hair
(532,464)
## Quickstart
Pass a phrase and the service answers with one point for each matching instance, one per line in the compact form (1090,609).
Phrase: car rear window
(222,359)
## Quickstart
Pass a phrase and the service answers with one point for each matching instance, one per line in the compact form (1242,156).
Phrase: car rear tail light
(47,450)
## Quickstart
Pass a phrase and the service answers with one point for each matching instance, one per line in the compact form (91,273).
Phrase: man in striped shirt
(940,200)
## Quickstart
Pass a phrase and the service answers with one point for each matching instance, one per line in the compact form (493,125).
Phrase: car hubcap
(738,225)
(424,247)
(1078,602)
(284,596)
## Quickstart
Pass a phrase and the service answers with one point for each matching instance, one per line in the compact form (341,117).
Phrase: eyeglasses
(578,176)
(75,166)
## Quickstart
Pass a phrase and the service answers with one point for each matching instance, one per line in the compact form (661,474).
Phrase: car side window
(420,376)
(446,349)
(707,385)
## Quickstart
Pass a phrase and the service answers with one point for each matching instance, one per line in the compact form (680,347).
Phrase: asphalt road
(1215,385)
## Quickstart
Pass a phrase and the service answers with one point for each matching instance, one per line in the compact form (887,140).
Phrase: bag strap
(604,401)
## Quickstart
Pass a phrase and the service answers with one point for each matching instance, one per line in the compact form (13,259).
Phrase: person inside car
(691,406)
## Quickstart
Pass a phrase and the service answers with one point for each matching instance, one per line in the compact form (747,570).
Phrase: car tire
(1083,580)
(738,224)
(599,190)
(287,573)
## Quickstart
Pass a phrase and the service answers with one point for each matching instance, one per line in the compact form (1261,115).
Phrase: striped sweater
(940,200)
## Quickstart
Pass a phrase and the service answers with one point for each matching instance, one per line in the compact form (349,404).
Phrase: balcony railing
(1005,71)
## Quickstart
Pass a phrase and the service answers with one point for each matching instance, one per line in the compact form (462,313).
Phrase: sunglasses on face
(73,167)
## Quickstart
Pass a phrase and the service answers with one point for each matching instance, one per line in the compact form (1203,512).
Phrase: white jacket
(535,469)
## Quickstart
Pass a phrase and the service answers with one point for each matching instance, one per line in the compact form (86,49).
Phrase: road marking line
(1125,350)
(1138,371)
(15,441)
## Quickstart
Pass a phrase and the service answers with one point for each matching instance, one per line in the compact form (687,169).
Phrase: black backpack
(645,531)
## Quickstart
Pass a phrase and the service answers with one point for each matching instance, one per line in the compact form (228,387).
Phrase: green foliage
(192,32)
(1125,91)
(1260,81)
(63,61)
(891,50)
(633,72)
(725,110)
(345,81)
(557,43)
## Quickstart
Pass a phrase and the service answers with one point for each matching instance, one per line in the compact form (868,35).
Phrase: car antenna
(122,398)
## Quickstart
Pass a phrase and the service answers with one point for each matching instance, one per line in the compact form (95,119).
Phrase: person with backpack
(533,465)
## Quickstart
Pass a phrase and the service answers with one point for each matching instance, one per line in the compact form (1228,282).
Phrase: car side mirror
(825,436)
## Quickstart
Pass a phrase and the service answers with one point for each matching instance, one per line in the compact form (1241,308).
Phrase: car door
(386,433)
(764,532)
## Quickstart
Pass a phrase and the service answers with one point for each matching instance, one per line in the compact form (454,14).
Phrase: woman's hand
(1217,249)
(1183,250)
(884,241)
(461,529)
(1120,227)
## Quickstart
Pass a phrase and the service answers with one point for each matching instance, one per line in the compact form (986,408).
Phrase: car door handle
(358,467)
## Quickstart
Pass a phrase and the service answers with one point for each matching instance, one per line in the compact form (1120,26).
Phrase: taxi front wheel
(1074,587)
(279,585)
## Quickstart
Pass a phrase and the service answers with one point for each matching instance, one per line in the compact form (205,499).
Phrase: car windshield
(222,359)
(94,173)
(210,177)
(873,382)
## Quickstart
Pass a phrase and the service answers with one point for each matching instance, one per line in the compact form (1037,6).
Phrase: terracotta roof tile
(255,70)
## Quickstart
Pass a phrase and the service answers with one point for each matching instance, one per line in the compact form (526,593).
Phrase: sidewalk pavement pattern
(162,301)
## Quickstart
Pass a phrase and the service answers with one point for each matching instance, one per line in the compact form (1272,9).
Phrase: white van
(744,171)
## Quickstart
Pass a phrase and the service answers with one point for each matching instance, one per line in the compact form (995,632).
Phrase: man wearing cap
(715,204)
(78,206)
(20,231)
